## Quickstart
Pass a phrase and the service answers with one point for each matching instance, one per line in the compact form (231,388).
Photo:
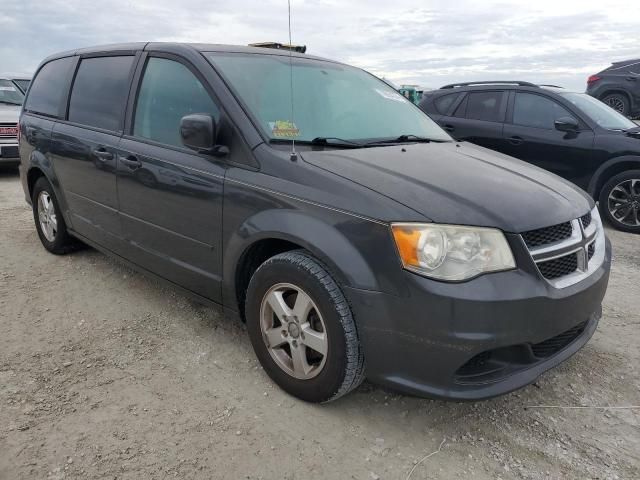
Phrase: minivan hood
(9,113)
(460,183)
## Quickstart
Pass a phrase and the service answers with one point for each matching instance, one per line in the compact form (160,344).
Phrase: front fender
(599,176)
(328,237)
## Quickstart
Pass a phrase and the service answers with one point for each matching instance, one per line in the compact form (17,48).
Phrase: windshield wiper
(10,103)
(323,142)
(404,139)
(335,141)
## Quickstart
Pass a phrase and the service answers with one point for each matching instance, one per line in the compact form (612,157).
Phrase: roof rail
(280,46)
(491,82)
(549,85)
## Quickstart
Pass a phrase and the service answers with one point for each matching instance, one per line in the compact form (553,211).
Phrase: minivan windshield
(9,93)
(603,115)
(330,101)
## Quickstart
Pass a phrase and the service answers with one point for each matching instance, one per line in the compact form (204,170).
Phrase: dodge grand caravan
(374,246)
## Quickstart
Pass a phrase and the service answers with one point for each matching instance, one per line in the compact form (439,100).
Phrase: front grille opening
(559,267)
(546,235)
(494,365)
(586,220)
(553,345)
(476,365)
(591,249)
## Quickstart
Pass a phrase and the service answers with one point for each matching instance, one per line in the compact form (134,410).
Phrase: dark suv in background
(618,86)
(568,133)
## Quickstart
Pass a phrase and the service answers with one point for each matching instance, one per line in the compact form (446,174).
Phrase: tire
(623,187)
(55,239)
(297,277)
(619,102)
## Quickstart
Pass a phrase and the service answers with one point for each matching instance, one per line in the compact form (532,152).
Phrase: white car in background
(12,90)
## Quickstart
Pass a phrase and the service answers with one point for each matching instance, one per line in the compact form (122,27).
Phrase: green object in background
(411,92)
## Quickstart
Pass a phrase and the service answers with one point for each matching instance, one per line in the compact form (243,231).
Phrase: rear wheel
(302,329)
(49,222)
(620,201)
(619,102)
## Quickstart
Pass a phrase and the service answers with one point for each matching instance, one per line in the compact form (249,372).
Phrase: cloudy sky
(429,43)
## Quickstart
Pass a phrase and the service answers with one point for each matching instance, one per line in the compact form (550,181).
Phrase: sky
(428,43)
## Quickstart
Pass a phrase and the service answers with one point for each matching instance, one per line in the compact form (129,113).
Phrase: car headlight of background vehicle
(451,252)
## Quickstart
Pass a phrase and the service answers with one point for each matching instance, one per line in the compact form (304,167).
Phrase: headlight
(450,252)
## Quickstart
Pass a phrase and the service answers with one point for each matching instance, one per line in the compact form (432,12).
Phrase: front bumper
(9,154)
(478,339)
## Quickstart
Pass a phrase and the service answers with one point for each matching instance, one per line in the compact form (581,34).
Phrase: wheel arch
(271,232)
(610,168)
(40,166)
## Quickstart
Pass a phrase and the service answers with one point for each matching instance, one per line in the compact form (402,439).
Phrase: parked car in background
(379,247)
(618,86)
(11,98)
(20,80)
(570,134)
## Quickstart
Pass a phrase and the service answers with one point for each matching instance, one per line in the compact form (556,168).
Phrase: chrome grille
(567,252)
(8,130)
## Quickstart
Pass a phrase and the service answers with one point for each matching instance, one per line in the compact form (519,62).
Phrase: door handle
(515,140)
(102,154)
(131,161)
(632,79)
(449,128)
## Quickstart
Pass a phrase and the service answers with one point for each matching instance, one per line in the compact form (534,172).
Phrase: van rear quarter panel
(35,152)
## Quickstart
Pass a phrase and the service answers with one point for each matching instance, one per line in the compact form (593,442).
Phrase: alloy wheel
(624,202)
(47,216)
(293,331)
(616,103)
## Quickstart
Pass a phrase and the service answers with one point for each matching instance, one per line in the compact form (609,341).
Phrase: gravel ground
(107,374)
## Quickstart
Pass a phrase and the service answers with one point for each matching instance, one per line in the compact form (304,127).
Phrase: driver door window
(531,110)
(169,91)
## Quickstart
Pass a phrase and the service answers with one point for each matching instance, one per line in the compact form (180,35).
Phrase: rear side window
(100,92)
(484,106)
(443,103)
(168,92)
(532,110)
(48,88)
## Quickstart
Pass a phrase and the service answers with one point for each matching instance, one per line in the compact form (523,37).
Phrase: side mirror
(567,124)
(198,132)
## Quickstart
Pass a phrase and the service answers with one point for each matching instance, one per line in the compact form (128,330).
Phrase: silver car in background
(12,90)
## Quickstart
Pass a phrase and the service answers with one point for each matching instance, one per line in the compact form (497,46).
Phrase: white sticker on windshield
(396,97)
(8,89)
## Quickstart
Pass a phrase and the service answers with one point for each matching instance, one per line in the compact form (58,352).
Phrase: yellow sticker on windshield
(284,128)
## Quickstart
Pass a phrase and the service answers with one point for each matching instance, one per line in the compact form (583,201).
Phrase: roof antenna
(294,156)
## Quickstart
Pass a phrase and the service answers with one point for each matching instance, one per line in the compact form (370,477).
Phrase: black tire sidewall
(61,242)
(604,200)
(329,381)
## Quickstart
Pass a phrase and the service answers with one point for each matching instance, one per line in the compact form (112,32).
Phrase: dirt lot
(106,374)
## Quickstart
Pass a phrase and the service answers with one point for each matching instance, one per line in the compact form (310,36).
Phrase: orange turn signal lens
(407,241)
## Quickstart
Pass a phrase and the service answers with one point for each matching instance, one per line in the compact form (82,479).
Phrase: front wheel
(620,201)
(302,330)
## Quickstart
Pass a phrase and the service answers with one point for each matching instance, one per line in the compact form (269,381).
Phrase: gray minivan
(375,246)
